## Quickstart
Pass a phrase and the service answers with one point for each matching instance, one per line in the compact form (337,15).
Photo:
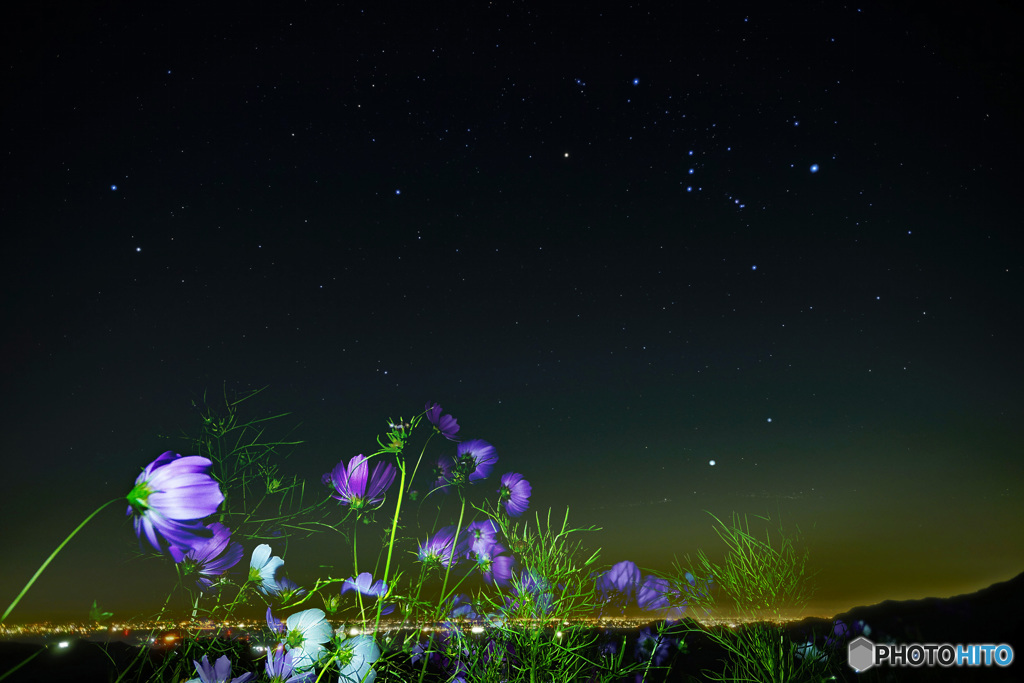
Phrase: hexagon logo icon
(861,654)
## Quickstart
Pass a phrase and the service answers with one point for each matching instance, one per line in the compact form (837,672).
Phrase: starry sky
(618,242)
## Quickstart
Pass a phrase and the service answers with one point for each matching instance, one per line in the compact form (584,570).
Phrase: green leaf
(96,615)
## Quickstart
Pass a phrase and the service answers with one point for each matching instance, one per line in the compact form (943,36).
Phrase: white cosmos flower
(305,635)
(356,657)
(262,570)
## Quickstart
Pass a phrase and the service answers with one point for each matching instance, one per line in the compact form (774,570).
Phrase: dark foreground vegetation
(993,615)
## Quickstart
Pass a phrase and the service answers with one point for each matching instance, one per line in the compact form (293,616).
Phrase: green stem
(391,542)
(451,555)
(355,548)
(53,555)
(420,459)
(355,572)
(23,663)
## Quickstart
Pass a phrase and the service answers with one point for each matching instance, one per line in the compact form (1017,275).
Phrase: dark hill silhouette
(993,614)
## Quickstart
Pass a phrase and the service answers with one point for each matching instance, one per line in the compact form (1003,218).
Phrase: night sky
(617,241)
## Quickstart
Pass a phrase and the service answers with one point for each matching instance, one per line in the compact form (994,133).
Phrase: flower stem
(53,555)
(420,459)
(355,570)
(451,555)
(391,541)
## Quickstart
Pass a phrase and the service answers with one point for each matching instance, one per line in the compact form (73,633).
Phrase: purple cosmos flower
(622,579)
(454,668)
(515,494)
(494,564)
(654,644)
(618,586)
(481,454)
(171,497)
(220,672)
(652,594)
(841,632)
(209,558)
(478,537)
(356,488)
(262,568)
(445,425)
(532,592)
(473,461)
(462,608)
(447,650)
(289,589)
(609,649)
(364,584)
(275,625)
(439,549)
(443,472)
(281,670)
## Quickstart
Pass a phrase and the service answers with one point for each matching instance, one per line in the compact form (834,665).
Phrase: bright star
(814,168)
